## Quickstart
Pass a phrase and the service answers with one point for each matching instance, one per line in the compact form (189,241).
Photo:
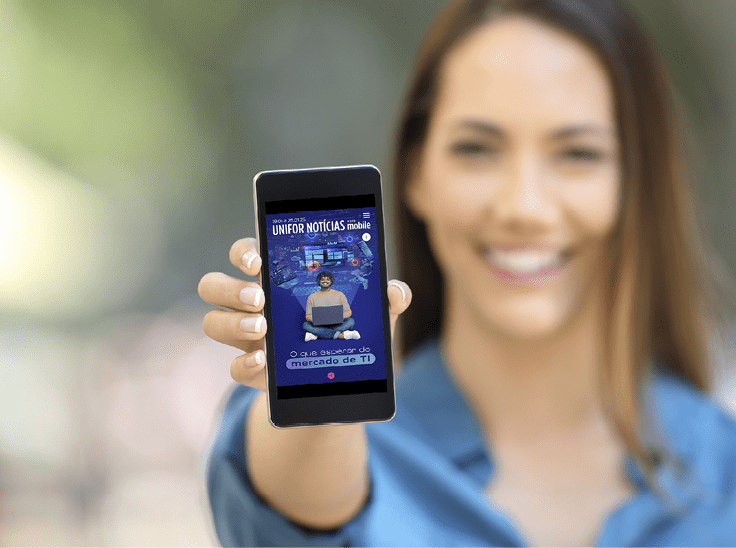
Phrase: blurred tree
(166,110)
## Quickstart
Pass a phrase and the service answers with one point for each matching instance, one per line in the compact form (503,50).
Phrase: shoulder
(699,428)
(416,367)
(687,409)
(427,402)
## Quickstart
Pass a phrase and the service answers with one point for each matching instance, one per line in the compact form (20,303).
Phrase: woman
(554,388)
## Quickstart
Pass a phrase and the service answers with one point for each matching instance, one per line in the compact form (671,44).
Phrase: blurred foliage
(107,92)
(167,109)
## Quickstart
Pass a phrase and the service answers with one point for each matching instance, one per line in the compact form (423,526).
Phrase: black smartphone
(321,240)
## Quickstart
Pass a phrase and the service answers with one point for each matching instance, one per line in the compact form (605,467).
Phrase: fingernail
(256,359)
(252,325)
(251,295)
(403,293)
(249,257)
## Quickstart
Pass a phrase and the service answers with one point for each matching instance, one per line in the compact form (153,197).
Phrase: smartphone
(321,239)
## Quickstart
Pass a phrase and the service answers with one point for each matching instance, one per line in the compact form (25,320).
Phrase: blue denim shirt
(429,466)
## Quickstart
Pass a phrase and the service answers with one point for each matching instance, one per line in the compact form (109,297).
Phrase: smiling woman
(549,150)
(546,218)
(555,389)
(518,183)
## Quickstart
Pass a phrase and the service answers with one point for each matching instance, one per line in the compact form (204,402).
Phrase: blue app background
(295,257)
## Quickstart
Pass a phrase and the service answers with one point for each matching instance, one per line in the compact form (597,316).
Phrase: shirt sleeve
(344,303)
(241,516)
(310,304)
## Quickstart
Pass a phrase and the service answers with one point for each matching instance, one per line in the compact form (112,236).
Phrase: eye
(580,154)
(471,148)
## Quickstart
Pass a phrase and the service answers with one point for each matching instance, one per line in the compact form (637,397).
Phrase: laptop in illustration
(327,315)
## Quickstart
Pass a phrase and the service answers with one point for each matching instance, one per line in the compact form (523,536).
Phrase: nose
(525,199)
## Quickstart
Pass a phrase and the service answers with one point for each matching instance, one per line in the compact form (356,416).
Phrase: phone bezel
(296,184)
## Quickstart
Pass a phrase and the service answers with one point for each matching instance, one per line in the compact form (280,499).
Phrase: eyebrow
(562,133)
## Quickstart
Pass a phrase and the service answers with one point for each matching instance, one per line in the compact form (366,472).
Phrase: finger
(244,255)
(234,328)
(222,290)
(399,299)
(250,370)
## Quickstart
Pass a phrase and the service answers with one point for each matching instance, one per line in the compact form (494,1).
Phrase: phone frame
(324,182)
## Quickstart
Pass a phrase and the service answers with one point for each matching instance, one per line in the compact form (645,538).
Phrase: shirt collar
(449,425)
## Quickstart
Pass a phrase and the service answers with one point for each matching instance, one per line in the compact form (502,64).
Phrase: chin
(528,320)
(530,329)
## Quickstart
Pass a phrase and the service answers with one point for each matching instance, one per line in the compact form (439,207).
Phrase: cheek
(449,218)
(595,205)
(449,199)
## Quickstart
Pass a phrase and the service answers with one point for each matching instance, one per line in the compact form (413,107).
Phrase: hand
(226,326)
(238,326)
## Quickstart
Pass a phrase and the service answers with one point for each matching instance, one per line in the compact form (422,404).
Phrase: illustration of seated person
(328,312)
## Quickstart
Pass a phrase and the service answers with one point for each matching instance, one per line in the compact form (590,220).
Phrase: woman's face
(520,172)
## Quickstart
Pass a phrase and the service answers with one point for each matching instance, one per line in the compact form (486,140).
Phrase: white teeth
(524,262)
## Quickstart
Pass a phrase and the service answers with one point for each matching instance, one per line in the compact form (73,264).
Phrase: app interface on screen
(324,278)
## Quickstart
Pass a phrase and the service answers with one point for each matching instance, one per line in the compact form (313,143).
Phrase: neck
(526,389)
(325,288)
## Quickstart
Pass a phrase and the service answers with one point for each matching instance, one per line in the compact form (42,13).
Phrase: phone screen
(324,252)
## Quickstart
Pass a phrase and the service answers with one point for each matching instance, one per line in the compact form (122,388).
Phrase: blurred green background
(130,132)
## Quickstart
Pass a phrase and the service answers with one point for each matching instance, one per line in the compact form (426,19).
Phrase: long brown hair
(665,283)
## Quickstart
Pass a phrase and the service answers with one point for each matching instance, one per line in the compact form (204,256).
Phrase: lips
(527,265)
(565,253)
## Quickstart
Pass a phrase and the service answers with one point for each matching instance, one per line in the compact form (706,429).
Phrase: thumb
(399,299)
